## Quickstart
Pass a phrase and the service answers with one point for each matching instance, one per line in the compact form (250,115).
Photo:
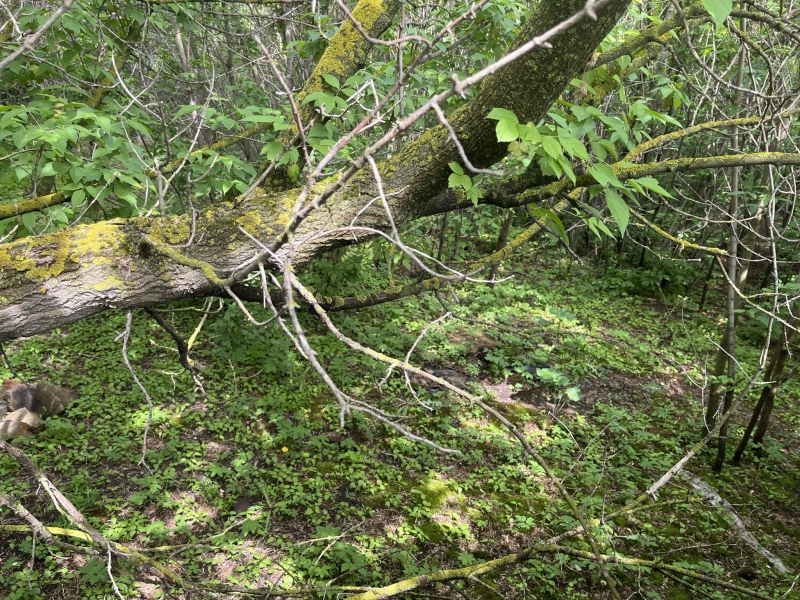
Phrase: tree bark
(55,279)
(763,409)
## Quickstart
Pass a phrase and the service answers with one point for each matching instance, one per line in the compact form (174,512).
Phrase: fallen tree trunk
(55,279)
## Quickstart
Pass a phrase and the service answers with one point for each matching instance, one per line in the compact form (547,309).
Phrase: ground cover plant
(382,298)
(256,484)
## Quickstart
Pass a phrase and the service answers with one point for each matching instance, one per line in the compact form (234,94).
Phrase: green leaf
(78,196)
(507,130)
(499,114)
(552,147)
(320,97)
(515,148)
(475,194)
(272,150)
(596,224)
(456,168)
(599,150)
(261,119)
(29,220)
(619,209)
(137,126)
(719,9)
(331,81)
(651,183)
(575,148)
(318,130)
(250,526)
(531,134)
(567,168)
(186,109)
(604,175)
(30,135)
(48,170)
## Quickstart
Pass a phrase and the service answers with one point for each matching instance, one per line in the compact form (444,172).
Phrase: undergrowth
(256,484)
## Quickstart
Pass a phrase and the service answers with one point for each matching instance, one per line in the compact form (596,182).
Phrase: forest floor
(255,484)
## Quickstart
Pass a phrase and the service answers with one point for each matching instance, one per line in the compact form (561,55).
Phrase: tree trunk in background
(766,401)
(726,355)
(502,238)
(442,236)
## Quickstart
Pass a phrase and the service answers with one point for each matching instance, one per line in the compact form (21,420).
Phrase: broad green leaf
(550,166)
(30,135)
(604,175)
(532,134)
(320,98)
(619,209)
(552,147)
(52,169)
(602,227)
(719,9)
(558,119)
(567,168)
(272,150)
(499,114)
(475,194)
(575,148)
(60,146)
(599,150)
(29,220)
(78,196)
(12,115)
(186,109)
(331,81)
(318,130)
(137,126)
(100,152)
(553,222)
(456,168)
(507,130)
(105,123)
(651,183)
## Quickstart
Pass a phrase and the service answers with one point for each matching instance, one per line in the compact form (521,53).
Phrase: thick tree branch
(55,279)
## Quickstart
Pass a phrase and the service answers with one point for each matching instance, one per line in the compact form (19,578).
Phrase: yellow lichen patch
(96,238)
(49,254)
(5,257)
(46,256)
(170,231)
(250,222)
(108,284)
(346,47)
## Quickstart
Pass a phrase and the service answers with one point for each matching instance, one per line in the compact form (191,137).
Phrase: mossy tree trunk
(54,279)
